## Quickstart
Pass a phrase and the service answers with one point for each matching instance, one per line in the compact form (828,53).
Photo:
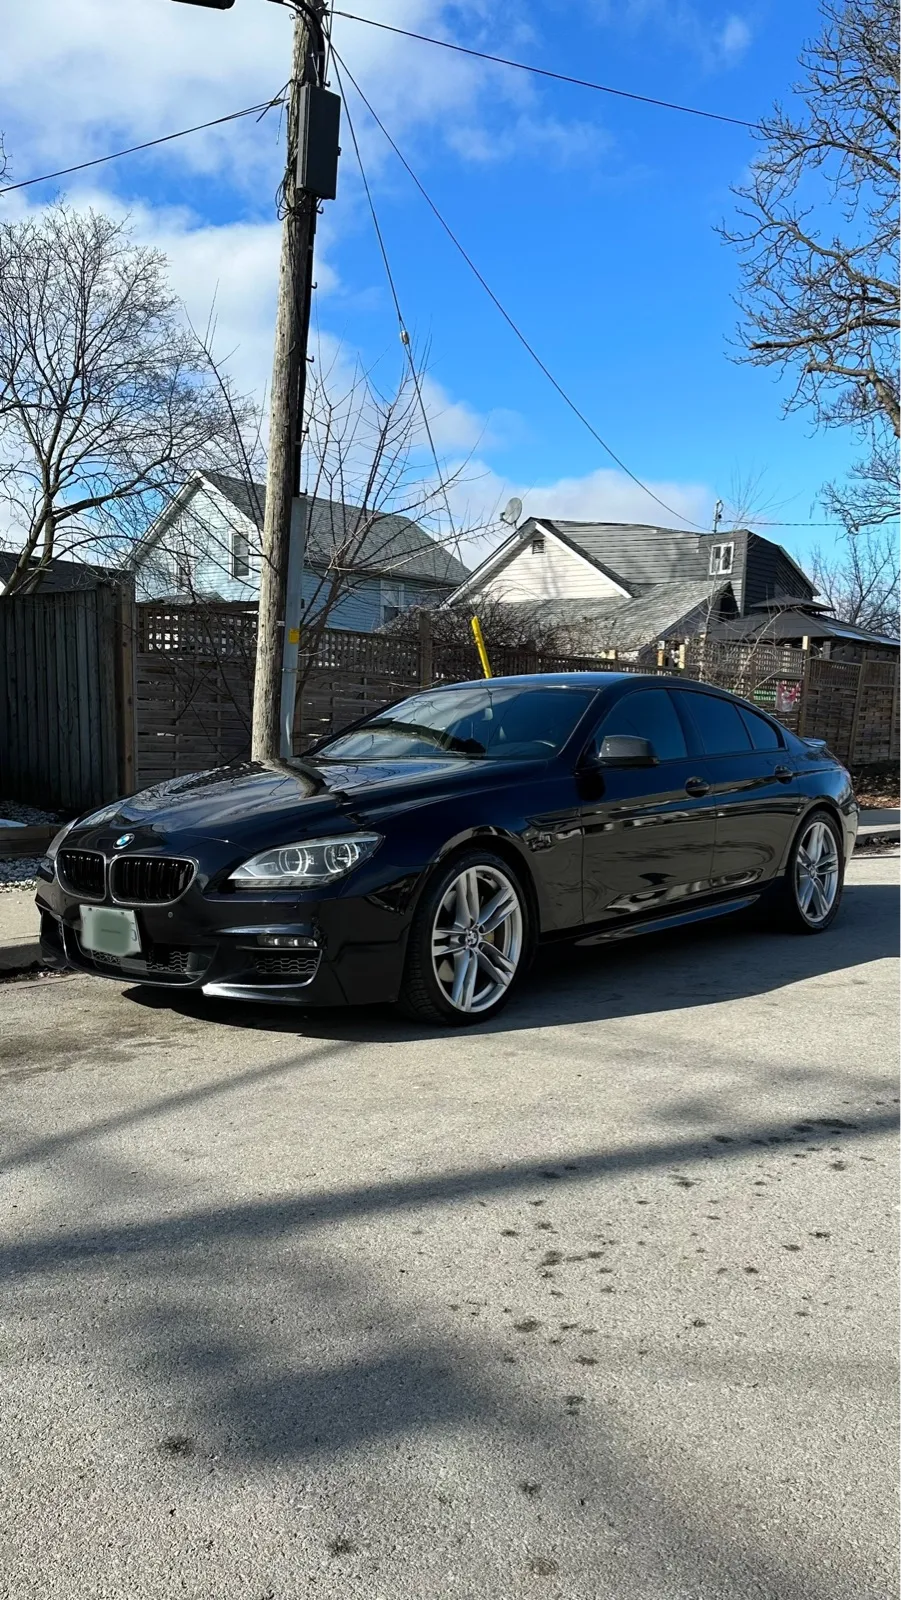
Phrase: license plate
(109,932)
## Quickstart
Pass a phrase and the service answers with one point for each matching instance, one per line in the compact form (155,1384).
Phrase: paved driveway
(597,1302)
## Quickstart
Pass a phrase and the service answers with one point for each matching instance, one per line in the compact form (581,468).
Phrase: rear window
(763,735)
(719,724)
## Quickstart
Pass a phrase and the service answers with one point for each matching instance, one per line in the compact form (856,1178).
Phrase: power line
(81,166)
(404,335)
(506,315)
(545,72)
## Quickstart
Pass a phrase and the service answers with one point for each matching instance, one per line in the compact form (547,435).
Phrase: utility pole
(311,169)
(289,373)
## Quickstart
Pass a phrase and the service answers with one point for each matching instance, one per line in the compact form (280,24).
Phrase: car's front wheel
(469,942)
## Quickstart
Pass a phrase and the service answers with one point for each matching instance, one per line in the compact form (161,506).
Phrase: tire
(811,890)
(470,942)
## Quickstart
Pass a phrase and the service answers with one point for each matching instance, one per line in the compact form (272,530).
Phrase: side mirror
(624,750)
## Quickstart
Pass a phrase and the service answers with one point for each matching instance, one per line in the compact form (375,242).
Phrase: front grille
(82,872)
(169,958)
(301,966)
(149,880)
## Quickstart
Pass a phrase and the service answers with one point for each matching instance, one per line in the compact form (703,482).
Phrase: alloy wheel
(477,938)
(816,872)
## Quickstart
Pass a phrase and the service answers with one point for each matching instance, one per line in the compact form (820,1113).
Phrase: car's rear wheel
(814,876)
(469,942)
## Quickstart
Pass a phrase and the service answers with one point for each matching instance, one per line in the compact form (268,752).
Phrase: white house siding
(201,533)
(555,573)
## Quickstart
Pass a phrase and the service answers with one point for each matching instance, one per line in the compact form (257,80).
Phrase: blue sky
(592,218)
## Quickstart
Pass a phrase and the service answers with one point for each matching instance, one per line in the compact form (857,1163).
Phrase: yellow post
(480,646)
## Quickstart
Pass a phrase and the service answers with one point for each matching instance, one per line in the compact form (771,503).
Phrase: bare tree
(505,626)
(818,236)
(859,580)
(107,401)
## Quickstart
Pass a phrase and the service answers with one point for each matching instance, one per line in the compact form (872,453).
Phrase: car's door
(753,783)
(648,831)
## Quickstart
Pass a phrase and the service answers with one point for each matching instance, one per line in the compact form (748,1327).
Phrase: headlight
(56,841)
(302,866)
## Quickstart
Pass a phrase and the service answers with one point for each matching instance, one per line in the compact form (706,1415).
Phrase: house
(205,544)
(628,586)
(60,576)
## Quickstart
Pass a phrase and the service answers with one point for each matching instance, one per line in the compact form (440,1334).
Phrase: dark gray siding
(771,572)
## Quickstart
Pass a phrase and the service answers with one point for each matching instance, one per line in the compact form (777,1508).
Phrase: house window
(184,571)
(721,557)
(392,601)
(537,546)
(240,554)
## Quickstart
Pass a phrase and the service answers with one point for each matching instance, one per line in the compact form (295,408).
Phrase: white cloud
(734,39)
(714,44)
(604,495)
(109,75)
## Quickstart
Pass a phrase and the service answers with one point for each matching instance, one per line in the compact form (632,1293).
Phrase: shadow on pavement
(728,959)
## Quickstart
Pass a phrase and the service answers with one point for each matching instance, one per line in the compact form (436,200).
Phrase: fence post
(126,626)
(858,701)
(805,696)
(425,650)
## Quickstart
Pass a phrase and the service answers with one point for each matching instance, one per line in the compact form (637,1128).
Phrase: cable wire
(509,320)
(404,334)
(545,72)
(81,166)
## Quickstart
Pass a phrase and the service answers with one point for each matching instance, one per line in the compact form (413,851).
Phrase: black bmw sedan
(424,853)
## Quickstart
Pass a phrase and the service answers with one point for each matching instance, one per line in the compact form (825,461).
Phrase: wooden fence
(65,701)
(854,707)
(101,697)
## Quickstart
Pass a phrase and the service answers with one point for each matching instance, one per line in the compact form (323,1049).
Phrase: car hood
(258,797)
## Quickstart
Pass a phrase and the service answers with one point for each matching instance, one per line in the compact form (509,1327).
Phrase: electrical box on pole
(317,152)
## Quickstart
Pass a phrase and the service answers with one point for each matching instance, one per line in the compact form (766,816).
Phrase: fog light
(286,941)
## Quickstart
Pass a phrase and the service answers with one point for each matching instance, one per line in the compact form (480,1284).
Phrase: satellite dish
(512,512)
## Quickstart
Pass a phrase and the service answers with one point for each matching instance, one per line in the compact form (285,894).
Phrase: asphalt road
(598,1302)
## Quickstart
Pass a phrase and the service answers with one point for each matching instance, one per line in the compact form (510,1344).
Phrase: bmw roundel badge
(123,840)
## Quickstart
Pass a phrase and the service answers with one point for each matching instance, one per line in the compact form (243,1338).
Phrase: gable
(385,542)
(538,563)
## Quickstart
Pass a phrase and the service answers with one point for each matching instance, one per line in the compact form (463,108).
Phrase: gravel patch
(29,816)
(18,872)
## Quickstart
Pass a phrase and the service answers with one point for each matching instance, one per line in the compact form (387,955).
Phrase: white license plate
(109,932)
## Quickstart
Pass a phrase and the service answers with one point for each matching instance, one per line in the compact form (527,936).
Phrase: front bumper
(343,951)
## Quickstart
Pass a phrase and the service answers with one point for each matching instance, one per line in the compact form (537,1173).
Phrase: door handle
(784,774)
(697,787)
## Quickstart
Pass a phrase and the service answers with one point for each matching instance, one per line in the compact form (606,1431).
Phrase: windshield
(499,721)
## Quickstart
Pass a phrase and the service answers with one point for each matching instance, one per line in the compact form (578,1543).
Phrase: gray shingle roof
(63,576)
(613,623)
(639,553)
(394,546)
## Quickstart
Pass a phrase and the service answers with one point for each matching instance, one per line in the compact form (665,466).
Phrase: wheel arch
(500,844)
(821,803)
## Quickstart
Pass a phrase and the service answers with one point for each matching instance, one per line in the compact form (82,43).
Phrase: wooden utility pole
(289,370)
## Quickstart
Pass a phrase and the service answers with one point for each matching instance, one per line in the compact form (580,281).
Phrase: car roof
(605,680)
(566,680)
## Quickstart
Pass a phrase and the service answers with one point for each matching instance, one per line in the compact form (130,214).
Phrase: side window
(647,714)
(763,735)
(719,724)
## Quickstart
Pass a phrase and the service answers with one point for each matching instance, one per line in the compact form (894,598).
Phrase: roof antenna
(512,512)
